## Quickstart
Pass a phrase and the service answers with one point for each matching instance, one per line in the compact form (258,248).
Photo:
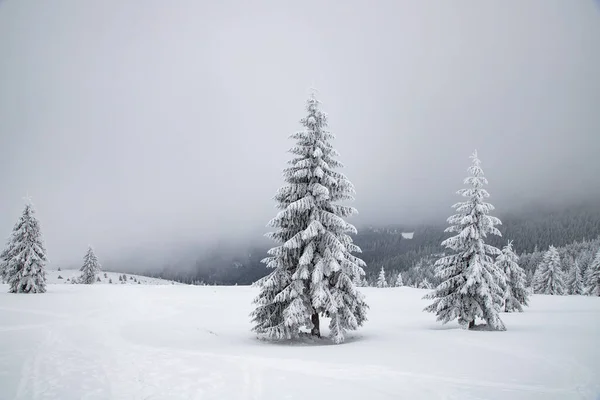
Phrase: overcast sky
(145,122)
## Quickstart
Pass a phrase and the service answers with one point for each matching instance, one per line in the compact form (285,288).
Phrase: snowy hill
(65,276)
(193,342)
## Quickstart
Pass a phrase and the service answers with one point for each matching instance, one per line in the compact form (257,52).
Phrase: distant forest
(386,246)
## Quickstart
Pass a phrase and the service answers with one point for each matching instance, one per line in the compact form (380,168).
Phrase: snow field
(52,277)
(194,342)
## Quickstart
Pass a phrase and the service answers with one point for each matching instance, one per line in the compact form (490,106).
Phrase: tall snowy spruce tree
(549,276)
(313,268)
(575,281)
(515,290)
(593,277)
(472,283)
(90,268)
(23,260)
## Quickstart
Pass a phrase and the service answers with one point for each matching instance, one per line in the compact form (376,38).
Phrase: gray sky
(136,123)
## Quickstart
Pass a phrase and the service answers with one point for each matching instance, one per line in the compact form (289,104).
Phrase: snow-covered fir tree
(313,268)
(471,281)
(399,281)
(575,280)
(593,277)
(549,276)
(381,282)
(24,258)
(515,288)
(530,278)
(90,268)
(425,284)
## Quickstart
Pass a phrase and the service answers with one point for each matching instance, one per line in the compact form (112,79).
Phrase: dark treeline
(385,246)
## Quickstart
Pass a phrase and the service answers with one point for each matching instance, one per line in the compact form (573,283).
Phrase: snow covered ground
(193,342)
(67,275)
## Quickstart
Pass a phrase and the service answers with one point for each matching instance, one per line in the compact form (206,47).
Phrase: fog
(151,124)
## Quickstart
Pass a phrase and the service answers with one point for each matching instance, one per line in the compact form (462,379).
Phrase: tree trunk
(472,324)
(315,331)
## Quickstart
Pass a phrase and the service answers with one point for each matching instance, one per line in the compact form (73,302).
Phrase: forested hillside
(385,246)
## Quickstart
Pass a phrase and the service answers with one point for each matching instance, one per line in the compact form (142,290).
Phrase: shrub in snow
(575,280)
(23,261)
(90,268)
(470,286)
(98,279)
(381,282)
(105,275)
(313,268)
(59,269)
(515,291)
(549,277)
(593,277)
(110,281)
(59,277)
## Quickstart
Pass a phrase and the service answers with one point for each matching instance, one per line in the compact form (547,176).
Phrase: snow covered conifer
(593,277)
(530,278)
(575,281)
(313,268)
(381,282)
(549,277)
(471,281)
(424,284)
(515,290)
(24,259)
(399,281)
(90,268)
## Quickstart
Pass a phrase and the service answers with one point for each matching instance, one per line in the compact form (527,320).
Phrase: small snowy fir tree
(399,281)
(313,268)
(593,277)
(381,282)
(530,278)
(515,290)
(471,281)
(24,259)
(90,268)
(424,284)
(575,281)
(550,279)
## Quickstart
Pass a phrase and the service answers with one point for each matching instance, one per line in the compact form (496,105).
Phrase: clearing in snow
(194,342)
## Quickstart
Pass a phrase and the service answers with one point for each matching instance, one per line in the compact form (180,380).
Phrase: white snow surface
(194,342)
(52,277)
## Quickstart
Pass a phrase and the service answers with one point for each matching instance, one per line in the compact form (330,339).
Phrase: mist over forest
(238,261)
